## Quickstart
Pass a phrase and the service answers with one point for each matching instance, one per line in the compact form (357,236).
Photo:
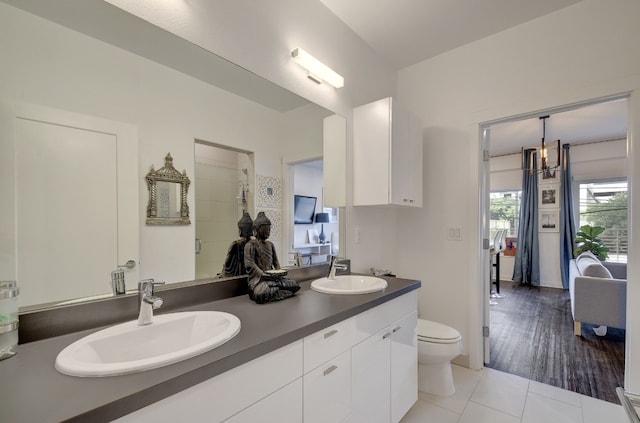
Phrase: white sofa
(598,292)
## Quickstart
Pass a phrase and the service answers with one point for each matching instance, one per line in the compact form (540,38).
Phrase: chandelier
(549,163)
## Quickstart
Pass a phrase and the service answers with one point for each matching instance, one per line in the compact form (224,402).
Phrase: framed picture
(512,244)
(549,220)
(313,236)
(549,196)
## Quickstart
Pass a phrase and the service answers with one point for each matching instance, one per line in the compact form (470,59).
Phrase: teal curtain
(567,218)
(527,261)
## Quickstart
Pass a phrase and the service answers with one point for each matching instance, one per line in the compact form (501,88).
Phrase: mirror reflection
(150,103)
(168,190)
(223,193)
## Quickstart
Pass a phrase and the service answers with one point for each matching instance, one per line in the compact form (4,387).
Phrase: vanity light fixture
(548,166)
(318,71)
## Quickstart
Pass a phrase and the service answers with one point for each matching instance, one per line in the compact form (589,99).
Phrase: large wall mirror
(293,122)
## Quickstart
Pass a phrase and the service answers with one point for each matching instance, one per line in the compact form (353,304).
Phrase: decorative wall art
(549,220)
(269,192)
(512,244)
(275,216)
(313,236)
(549,196)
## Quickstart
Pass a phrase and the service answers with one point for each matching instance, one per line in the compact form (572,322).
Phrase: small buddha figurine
(234,263)
(267,282)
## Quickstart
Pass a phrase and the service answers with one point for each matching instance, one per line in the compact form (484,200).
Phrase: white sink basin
(349,284)
(128,348)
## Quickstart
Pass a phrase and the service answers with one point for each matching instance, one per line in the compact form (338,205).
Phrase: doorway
(597,133)
(311,240)
(223,190)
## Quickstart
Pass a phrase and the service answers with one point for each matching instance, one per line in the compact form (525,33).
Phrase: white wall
(589,162)
(582,52)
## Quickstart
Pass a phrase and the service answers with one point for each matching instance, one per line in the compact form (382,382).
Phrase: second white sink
(128,348)
(349,284)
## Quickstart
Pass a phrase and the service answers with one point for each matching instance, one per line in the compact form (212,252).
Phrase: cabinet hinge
(485,155)
(485,331)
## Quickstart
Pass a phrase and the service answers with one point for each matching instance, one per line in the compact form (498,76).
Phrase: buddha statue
(267,282)
(234,263)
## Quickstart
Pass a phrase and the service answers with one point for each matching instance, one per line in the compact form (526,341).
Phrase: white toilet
(438,344)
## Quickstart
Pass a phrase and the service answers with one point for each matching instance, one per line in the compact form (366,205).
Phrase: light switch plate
(454,233)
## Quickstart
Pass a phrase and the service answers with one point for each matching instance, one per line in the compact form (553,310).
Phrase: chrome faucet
(147,302)
(333,265)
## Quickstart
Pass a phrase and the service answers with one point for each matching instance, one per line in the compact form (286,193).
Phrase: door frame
(484,214)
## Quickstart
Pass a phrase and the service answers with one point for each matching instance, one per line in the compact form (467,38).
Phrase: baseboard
(462,360)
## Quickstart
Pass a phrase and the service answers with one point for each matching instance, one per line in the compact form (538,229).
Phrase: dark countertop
(34,391)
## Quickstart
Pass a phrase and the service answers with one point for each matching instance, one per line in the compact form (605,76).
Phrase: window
(605,204)
(505,212)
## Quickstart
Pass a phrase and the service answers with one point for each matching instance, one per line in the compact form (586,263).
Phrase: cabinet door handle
(330,369)
(386,335)
(330,333)
(397,328)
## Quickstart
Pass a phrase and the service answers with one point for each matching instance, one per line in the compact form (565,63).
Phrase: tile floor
(491,396)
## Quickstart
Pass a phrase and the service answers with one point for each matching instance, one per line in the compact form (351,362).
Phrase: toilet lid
(437,332)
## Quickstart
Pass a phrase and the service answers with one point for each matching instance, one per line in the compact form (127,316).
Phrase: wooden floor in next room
(532,336)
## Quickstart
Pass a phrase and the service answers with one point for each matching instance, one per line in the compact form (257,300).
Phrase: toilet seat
(434,332)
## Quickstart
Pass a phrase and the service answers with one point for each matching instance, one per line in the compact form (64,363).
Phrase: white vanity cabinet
(404,366)
(263,383)
(327,391)
(363,369)
(283,406)
(327,373)
(387,155)
(384,366)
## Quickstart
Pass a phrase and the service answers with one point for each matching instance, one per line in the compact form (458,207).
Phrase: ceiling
(589,123)
(405,32)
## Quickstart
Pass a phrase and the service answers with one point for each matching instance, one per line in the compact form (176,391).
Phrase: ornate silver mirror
(167,195)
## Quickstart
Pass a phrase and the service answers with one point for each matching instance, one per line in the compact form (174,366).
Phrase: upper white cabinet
(387,155)
(334,161)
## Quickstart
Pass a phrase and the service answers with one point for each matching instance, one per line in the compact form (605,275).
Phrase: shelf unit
(313,253)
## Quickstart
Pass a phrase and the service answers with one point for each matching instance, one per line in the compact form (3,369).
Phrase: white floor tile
(423,411)
(501,391)
(598,411)
(477,413)
(555,393)
(541,409)
(465,381)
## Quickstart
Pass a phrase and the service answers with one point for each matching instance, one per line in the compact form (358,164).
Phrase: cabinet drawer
(327,343)
(327,391)
(283,406)
(374,320)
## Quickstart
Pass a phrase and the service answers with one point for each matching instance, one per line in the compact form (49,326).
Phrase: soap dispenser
(8,319)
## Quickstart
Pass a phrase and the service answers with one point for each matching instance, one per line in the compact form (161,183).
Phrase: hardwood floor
(532,336)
